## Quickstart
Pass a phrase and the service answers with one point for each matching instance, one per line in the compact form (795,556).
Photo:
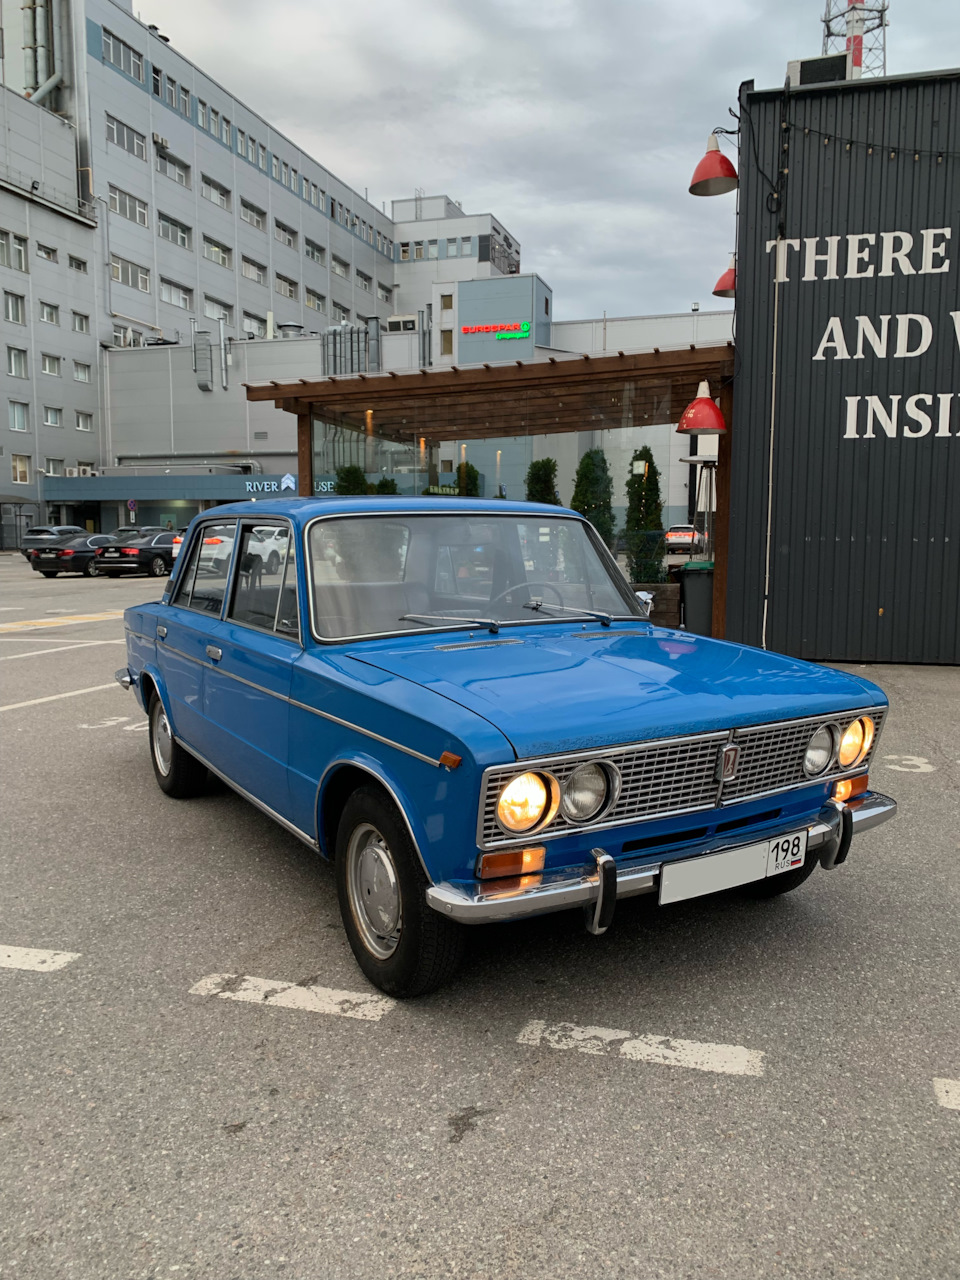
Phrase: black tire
(108,573)
(158,567)
(427,947)
(90,568)
(785,882)
(273,563)
(49,573)
(178,773)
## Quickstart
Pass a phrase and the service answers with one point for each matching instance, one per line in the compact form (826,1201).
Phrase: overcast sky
(576,122)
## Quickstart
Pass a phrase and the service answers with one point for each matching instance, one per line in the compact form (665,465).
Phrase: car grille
(676,775)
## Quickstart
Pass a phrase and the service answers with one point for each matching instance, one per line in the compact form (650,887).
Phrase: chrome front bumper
(123,678)
(831,834)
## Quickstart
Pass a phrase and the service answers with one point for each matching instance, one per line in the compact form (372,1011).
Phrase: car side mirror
(646,602)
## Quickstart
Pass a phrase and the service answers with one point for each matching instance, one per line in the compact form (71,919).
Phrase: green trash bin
(698,596)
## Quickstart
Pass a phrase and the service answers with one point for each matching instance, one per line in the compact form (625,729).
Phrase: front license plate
(696,877)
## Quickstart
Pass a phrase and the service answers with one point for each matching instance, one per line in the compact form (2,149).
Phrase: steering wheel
(519,586)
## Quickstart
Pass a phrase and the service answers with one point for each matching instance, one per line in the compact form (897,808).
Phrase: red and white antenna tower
(860,31)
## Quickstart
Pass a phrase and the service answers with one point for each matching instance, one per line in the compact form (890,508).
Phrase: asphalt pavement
(197,1081)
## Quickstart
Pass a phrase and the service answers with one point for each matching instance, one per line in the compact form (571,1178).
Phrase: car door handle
(161,633)
(214,653)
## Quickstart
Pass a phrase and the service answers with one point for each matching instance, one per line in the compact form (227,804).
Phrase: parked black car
(136,530)
(69,555)
(45,535)
(152,554)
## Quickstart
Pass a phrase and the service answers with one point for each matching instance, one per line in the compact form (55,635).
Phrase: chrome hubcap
(374,891)
(162,741)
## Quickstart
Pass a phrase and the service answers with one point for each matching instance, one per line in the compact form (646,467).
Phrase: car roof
(302,510)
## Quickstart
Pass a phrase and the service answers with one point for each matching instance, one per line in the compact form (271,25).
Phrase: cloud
(577,122)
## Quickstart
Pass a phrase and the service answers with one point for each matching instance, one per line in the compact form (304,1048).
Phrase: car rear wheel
(177,772)
(273,563)
(90,568)
(401,944)
(158,567)
(49,573)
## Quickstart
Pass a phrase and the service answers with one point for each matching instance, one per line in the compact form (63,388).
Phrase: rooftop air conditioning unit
(86,471)
(70,472)
(162,143)
(402,324)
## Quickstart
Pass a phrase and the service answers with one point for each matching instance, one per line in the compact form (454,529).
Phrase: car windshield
(377,575)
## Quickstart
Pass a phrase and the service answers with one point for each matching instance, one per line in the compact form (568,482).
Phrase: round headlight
(584,792)
(869,729)
(523,802)
(852,744)
(820,751)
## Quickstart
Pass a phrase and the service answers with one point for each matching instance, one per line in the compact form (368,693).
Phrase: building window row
(14,253)
(457,247)
(128,206)
(18,417)
(129,273)
(122,135)
(50,364)
(122,55)
(166,89)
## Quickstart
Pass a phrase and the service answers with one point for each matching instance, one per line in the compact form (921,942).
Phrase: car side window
(261,597)
(204,583)
(288,610)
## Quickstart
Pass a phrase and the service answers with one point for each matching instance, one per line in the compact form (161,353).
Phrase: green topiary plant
(542,481)
(593,493)
(468,480)
(386,484)
(350,481)
(643,530)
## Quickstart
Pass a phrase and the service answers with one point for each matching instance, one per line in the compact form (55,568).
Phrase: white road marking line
(948,1093)
(725,1059)
(55,697)
(71,621)
(36,653)
(289,995)
(38,961)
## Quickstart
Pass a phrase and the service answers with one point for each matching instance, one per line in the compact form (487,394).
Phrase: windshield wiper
(603,618)
(492,624)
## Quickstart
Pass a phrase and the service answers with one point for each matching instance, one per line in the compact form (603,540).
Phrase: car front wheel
(401,944)
(177,772)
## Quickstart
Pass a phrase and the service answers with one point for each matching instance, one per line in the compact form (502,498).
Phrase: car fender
(369,764)
(152,671)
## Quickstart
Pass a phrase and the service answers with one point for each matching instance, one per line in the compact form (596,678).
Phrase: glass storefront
(412,466)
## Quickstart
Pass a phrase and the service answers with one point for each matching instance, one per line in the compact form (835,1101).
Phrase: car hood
(558,690)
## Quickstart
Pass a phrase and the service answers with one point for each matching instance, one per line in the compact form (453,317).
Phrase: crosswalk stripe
(947,1093)
(724,1059)
(292,995)
(34,959)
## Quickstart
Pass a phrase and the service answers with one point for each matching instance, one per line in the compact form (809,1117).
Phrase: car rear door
(186,634)
(247,684)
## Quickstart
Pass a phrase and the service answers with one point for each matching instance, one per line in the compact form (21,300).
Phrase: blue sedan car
(464,706)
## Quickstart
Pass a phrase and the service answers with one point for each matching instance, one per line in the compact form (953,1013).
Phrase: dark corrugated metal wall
(865,533)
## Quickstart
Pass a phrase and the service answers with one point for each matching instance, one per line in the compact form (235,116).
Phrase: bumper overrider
(598,889)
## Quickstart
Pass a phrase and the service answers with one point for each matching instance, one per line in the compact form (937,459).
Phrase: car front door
(247,684)
(185,635)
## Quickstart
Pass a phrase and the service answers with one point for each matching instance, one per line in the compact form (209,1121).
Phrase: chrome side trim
(303,706)
(355,764)
(259,804)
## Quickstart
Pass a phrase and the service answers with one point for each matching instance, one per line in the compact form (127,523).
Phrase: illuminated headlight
(856,742)
(527,801)
(585,792)
(820,751)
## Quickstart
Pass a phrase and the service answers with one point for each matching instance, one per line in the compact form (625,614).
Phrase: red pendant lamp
(726,286)
(714,175)
(702,417)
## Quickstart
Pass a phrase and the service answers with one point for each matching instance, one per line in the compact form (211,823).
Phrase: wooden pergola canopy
(576,393)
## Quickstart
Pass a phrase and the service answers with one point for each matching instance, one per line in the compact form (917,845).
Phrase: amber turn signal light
(516,862)
(847,788)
